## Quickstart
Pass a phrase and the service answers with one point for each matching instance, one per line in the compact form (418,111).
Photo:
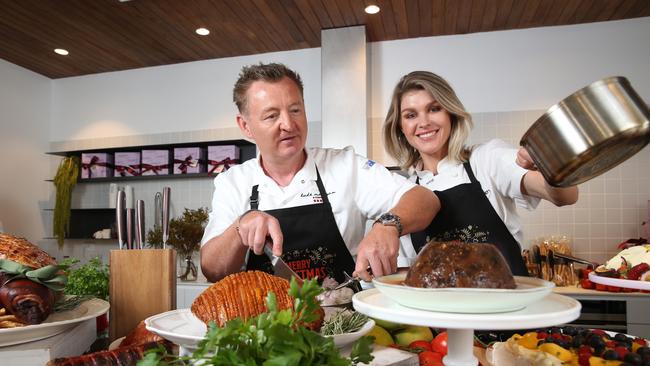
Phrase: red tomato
(421,345)
(439,343)
(430,358)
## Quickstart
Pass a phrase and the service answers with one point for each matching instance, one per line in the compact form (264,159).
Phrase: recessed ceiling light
(372,9)
(61,51)
(202,31)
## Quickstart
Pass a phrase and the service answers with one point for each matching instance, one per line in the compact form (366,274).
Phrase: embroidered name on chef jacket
(316,197)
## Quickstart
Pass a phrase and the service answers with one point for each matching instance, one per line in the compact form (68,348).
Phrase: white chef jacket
(358,189)
(494,166)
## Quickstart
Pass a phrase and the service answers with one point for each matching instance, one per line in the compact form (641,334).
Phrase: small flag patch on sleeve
(369,163)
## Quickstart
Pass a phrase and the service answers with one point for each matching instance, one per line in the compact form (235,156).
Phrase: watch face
(388,218)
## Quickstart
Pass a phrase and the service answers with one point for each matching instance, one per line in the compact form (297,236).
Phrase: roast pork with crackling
(29,301)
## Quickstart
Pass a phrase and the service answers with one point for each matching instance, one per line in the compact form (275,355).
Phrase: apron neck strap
(468,169)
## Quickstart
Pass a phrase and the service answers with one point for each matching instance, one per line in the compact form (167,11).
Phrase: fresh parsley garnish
(275,338)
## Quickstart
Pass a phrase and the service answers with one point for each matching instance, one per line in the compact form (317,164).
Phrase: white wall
(518,69)
(182,97)
(24,137)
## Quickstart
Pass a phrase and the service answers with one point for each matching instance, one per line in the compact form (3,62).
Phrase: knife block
(142,284)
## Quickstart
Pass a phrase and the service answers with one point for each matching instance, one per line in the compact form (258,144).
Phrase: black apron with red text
(467,215)
(313,245)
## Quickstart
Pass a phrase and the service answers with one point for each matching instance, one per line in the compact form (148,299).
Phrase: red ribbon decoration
(187,162)
(225,162)
(153,168)
(94,161)
(122,169)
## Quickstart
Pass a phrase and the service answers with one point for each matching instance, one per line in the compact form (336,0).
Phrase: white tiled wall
(611,207)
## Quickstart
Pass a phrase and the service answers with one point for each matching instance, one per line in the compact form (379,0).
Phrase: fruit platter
(627,271)
(566,345)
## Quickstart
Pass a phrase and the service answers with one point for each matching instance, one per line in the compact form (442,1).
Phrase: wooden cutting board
(142,284)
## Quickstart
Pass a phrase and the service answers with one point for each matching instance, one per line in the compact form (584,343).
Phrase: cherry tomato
(421,345)
(430,358)
(439,343)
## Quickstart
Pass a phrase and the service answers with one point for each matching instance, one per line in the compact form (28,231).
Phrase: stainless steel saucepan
(589,132)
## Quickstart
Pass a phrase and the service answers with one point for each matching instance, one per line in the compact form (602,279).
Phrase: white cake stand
(552,310)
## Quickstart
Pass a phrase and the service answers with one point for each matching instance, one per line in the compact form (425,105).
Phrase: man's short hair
(272,72)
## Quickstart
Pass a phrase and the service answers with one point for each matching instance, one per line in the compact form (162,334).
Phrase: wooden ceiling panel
(426,18)
(388,20)
(109,35)
(464,16)
(400,17)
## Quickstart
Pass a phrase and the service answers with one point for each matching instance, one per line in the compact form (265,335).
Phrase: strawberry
(586,284)
(613,289)
(635,272)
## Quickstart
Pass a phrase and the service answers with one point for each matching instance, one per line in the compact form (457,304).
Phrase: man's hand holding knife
(256,227)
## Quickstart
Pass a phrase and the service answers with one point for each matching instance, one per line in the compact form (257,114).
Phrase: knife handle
(119,218)
(269,251)
(139,223)
(129,227)
(165,215)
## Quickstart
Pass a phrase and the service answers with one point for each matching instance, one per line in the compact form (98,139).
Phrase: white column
(344,85)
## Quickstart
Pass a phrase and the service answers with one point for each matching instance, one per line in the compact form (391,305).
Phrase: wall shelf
(247,150)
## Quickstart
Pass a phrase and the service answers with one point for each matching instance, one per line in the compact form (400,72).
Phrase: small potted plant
(185,235)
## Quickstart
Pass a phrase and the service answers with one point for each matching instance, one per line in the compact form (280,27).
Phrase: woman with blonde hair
(479,187)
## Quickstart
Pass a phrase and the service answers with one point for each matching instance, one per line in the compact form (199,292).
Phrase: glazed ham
(140,335)
(28,301)
(122,356)
(242,295)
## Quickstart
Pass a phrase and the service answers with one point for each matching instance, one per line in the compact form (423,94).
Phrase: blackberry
(610,354)
(569,330)
(633,358)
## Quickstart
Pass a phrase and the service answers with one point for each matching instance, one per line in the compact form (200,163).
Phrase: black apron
(313,245)
(467,215)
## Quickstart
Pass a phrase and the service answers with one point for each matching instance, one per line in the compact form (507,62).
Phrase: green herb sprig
(274,338)
(344,322)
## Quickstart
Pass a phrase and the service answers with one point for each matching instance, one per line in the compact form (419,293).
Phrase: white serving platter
(464,300)
(56,323)
(618,282)
(184,329)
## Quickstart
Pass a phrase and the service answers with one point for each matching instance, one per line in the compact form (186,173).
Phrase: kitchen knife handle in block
(119,217)
(165,215)
(139,224)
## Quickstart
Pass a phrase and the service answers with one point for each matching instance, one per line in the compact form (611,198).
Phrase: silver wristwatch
(390,219)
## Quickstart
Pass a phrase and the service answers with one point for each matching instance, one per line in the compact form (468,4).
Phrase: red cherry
(622,351)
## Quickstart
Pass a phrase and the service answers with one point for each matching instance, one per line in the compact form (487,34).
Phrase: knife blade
(280,268)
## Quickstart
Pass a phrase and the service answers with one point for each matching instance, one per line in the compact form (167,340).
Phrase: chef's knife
(280,268)
(119,218)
